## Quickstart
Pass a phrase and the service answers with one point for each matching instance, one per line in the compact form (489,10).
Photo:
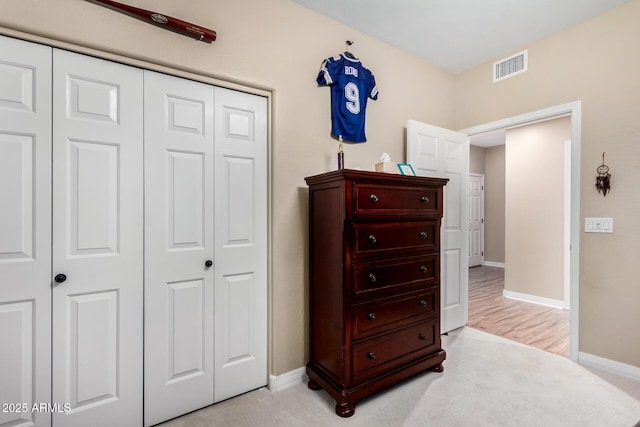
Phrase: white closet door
(241,243)
(97,241)
(178,243)
(25,230)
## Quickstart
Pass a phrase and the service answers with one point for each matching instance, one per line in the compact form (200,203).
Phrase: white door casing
(476,219)
(567,226)
(97,241)
(241,242)
(443,153)
(179,239)
(25,230)
(573,180)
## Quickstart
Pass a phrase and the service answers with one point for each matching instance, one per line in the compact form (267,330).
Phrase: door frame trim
(574,109)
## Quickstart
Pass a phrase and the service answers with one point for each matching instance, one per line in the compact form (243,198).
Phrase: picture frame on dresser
(406,169)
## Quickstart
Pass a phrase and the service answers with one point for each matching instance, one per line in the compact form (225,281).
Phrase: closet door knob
(60,278)
(208,263)
(373,198)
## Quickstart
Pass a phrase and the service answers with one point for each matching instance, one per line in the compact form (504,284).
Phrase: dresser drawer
(391,238)
(381,354)
(396,275)
(377,199)
(384,315)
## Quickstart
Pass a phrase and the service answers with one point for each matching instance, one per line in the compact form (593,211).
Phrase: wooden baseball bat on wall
(182,27)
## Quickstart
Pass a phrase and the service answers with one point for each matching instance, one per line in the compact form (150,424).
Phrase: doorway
(574,111)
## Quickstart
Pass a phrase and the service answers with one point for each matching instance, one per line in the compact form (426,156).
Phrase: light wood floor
(539,326)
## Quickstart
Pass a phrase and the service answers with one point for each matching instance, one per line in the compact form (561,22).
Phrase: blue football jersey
(351,85)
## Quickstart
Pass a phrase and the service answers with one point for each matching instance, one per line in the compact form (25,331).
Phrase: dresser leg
(345,409)
(438,368)
(313,385)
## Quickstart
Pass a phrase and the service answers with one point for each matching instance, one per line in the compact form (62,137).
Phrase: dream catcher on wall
(603,180)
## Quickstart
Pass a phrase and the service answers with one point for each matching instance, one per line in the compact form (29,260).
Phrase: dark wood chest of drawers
(374,277)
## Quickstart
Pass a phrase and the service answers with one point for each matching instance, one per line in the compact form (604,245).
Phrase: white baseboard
(494,264)
(619,368)
(533,299)
(288,379)
(291,378)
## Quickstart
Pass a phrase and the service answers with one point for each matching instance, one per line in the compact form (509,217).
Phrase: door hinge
(482,221)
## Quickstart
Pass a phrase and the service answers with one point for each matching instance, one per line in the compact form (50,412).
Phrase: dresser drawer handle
(373,198)
(423,235)
(423,303)
(372,238)
(423,268)
(373,278)
(422,337)
(424,199)
(372,316)
(371,356)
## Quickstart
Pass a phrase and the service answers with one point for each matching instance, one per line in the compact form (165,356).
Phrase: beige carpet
(488,381)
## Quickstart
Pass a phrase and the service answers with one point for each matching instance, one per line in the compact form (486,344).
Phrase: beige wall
(534,208)
(494,207)
(476,159)
(276,45)
(594,62)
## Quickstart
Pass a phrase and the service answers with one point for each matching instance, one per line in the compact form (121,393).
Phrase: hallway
(546,328)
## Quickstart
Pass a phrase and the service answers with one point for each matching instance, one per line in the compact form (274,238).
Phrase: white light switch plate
(598,225)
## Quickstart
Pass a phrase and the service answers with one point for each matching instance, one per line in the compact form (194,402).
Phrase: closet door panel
(93,194)
(25,231)
(241,242)
(178,242)
(97,241)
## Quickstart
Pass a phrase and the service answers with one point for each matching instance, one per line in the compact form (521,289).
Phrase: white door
(97,241)
(443,153)
(25,230)
(179,236)
(241,242)
(476,219)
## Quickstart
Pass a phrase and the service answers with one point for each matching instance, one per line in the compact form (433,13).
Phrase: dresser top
(377,177)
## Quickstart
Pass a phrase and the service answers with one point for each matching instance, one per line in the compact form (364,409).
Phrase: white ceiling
(458,35)
(489,139)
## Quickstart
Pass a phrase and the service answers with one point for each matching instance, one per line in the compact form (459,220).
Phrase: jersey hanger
(347,53)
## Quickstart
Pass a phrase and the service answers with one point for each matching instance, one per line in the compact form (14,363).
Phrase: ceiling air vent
(510,66)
